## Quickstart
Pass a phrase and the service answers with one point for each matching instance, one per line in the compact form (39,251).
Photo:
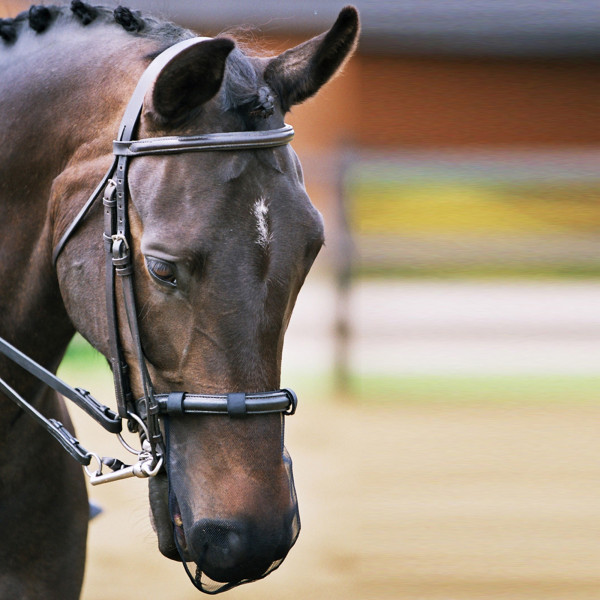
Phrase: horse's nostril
(234,543)
(236,550)
(216,543)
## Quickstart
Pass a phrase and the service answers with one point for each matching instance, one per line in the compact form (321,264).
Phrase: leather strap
(230,140)
(55,428)
(280,401)
(134,107)
(117,361)
(82,213)
(82,398)
(126,128)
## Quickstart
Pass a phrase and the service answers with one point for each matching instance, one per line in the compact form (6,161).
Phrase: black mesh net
(225,538)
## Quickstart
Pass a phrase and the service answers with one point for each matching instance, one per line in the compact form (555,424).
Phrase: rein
(143,414)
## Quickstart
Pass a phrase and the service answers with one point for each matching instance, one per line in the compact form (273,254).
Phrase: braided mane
(41,17)
(242,89)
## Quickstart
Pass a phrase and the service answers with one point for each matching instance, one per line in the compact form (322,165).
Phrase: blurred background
(445,348)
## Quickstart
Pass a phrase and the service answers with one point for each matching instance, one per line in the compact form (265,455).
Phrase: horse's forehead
(195,177)
(210,192)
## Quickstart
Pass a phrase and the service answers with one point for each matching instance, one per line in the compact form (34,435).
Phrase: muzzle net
(195,570)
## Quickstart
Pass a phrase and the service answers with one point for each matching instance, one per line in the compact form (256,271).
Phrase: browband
(230,140)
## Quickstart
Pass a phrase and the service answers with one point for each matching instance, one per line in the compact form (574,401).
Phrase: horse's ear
(299,73)
(189,80)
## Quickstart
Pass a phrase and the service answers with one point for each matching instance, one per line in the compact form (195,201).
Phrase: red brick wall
(428,102)
(437,102)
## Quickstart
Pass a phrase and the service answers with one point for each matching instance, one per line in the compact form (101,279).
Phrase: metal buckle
(121,257)
(118,239)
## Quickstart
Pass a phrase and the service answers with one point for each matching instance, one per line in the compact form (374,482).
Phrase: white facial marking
(261,210)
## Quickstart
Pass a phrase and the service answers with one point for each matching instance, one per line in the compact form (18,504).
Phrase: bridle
(142,414)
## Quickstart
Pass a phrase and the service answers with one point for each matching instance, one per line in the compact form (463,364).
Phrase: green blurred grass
(85,367)
(81,354)
(454,389)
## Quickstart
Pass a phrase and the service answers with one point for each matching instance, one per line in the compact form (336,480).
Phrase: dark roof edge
(503,28)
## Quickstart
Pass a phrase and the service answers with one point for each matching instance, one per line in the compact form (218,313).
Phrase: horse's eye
(162,271)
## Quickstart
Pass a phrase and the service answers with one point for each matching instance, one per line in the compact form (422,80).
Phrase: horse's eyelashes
(162,271)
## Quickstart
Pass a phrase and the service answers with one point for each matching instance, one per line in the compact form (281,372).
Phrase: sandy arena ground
(407,502)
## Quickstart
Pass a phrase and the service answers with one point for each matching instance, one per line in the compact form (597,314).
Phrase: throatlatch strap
(82,213)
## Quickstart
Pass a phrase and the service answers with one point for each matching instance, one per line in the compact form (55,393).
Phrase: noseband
(143,414)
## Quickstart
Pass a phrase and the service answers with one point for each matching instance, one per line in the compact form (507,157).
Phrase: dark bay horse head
(222,242)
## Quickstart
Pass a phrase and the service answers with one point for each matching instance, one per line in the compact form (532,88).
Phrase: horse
(219,240)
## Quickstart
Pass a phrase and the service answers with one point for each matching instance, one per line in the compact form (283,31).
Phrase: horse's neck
(60,99)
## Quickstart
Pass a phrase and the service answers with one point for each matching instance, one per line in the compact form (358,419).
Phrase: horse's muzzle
(230,527)
(234,551)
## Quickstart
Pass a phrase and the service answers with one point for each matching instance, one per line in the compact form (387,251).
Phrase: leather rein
(142,414)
